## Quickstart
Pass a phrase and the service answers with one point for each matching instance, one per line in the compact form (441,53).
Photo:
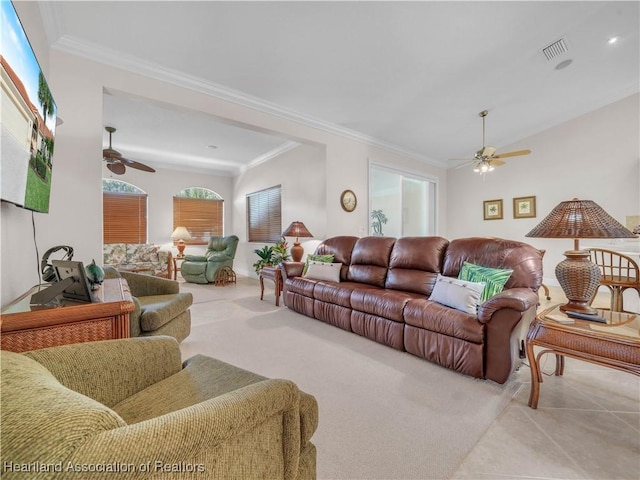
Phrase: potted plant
(271,255)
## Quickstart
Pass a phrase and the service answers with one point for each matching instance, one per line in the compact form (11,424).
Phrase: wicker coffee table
(614,344)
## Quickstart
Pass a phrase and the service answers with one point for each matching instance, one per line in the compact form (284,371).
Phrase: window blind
(204,218)
(124,217)
(264,215)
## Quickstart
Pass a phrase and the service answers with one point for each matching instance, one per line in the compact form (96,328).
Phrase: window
(264,215)
(201,211)
(402,204)
(124,208)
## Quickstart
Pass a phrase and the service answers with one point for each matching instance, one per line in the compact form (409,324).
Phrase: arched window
(201,211)
(124,208)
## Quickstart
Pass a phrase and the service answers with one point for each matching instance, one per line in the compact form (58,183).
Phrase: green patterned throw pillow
(494,278)
(316,258)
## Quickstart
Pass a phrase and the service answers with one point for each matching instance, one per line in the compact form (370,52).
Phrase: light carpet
(384,414)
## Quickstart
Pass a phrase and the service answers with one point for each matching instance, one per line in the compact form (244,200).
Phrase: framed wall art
(524,207)
(492,209)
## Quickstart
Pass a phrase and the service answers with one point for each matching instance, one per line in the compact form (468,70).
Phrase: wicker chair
(619,273)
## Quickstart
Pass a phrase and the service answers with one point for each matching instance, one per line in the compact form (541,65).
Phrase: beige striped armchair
(130,409)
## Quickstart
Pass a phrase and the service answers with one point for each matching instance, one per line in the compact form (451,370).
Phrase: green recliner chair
(204,268)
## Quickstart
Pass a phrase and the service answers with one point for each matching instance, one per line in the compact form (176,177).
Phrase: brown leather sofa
(383,295)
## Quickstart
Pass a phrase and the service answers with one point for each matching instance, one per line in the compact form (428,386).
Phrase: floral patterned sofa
(139,258)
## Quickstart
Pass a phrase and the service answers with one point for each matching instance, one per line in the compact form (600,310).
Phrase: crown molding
(279,150)
(75,46)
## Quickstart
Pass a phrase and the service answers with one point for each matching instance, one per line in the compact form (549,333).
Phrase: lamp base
(180,246)
(296,252)
(579,279)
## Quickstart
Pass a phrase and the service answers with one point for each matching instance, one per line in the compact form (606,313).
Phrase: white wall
(593,157)
(75,217)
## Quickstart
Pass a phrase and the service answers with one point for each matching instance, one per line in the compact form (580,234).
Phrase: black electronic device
(48,272)
(586,316)
(71,283)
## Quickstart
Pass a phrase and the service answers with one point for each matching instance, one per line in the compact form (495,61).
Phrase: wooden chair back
(616,269)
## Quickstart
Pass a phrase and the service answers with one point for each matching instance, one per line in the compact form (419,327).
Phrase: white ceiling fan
(485,160)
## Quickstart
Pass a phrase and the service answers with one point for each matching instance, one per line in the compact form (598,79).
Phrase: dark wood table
(273,274)
(615,344)
(25,327)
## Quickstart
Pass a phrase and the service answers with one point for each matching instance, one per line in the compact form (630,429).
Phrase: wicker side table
(615,344)
(23,328)
(273,274)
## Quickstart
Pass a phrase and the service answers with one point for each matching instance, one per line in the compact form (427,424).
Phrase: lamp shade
(296,229)
(181,233)
(577,275)
(580,219)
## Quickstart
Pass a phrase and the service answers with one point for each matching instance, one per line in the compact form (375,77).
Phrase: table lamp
(179,235)
(577,275)
(297,229)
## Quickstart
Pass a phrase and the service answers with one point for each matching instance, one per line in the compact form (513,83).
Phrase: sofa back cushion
(341,248)
(42,420)
(370,260)
(415,263)
(524,259)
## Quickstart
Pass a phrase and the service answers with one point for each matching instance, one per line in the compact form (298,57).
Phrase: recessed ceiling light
(564,64)
(612,40)
(212,146)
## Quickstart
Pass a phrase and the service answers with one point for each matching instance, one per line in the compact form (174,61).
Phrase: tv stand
(26,327)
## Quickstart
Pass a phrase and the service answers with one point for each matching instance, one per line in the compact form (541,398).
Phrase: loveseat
(383,293)
(160,307)
(131,409)
(142,258)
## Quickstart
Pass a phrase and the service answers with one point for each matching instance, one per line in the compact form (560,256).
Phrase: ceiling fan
(116,162)
(486,159)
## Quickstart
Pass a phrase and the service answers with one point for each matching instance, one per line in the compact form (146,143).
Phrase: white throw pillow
(458,294)
(324,271)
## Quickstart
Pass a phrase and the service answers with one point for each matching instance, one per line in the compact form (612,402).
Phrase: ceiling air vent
(555,49)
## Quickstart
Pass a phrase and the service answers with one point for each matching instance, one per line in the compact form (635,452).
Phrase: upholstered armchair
(161,309)
(131,409)
(204,268)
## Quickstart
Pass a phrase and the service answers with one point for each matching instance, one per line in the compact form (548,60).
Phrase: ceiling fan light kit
(485,160)
(116,162)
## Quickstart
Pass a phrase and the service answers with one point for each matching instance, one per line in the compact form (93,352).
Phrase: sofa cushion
(341,248)
(142,253)
(114,253)
(428,315)
(316,258)
(156,310)
(415,263)
(458,294)
(493,278)
(381,302)
(203,378)
(42,420)
(324,271)
(338,293)
(370,260)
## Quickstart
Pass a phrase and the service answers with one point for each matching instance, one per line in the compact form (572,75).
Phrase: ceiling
(411,76)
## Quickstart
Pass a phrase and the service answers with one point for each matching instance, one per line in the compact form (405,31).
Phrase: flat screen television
(28,119)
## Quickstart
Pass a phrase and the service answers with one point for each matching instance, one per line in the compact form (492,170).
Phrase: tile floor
(587,426)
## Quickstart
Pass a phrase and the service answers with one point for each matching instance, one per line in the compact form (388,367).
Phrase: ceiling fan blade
(137,165)
(495,162)
(117,168)
(512,154)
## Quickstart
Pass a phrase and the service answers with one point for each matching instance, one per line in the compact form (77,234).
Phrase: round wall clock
(348,201)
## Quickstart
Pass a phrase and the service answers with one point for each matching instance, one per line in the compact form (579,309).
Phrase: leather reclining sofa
(383,294)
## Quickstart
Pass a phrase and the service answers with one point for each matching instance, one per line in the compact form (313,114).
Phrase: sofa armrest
(229,436)
(147,285)
(519,299)
(111,370)
(291,269)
